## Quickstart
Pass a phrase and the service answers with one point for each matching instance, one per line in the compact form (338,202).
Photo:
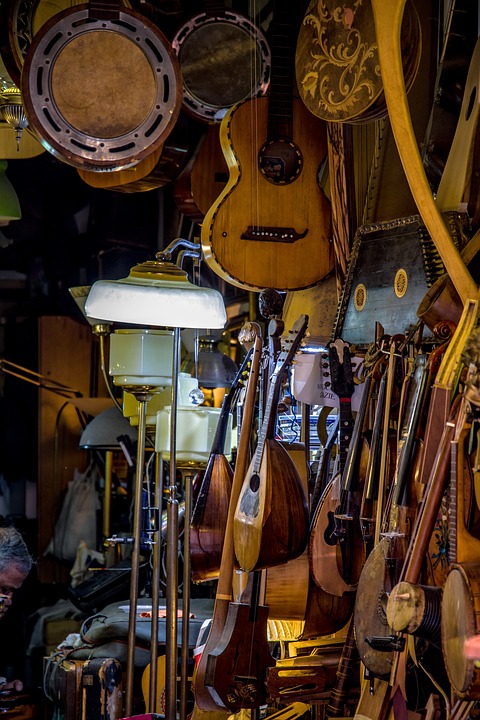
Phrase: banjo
(101,86)
(224,59)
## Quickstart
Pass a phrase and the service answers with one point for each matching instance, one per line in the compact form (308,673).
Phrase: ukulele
(271,518)
(270,226)
(209,517)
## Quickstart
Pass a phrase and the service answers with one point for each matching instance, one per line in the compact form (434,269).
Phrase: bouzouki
(271,518)
(270,226)
(209,516)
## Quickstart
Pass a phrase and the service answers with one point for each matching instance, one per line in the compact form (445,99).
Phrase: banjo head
(224,59)
(101,94)
(460,612)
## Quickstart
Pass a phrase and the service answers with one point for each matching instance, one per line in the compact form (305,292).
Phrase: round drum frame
(205,34)
(82,129)
(460,620)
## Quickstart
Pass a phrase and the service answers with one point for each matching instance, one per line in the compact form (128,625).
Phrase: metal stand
(142,396)
(172,550)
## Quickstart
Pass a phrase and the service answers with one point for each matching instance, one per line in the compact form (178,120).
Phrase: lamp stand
(142,395)
(171,649)
(156,587)
(187,481)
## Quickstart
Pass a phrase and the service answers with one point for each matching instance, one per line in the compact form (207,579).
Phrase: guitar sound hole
(254,482)
(280,162)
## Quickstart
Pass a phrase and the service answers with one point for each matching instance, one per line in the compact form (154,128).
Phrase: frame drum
(460,620)
(101,89)
(224,59)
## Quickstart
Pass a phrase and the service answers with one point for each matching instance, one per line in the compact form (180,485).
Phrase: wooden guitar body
(323,555)
(264,232)
(326,613)
(271,519)
(203,178)
(207,529)
(236,669)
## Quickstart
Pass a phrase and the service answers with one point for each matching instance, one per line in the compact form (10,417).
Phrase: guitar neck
(345,433)
(267,429)
(280,108)
(218,443)
(463,546)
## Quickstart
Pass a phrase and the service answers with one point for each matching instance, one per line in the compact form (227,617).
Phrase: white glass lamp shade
(156,293)
(9,204)
(195,431)
(140,357)
(186,383)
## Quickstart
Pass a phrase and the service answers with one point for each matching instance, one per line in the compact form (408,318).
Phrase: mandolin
(270,226)
(271,518)
(209,517)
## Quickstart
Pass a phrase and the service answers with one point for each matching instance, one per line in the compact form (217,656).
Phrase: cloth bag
(77,521)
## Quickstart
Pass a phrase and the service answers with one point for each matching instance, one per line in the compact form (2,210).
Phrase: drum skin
(460,620)
(101,94)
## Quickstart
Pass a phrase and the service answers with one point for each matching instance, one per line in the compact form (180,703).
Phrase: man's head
(15,564)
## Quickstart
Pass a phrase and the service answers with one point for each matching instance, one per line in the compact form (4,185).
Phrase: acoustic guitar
(270,226)
(203,178)
(271,518)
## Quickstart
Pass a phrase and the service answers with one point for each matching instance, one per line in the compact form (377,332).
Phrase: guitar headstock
(290,343)
(341,368)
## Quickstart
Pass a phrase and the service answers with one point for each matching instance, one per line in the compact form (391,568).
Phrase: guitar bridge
(272,234)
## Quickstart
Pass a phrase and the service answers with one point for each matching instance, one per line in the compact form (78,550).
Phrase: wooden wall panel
(64,354)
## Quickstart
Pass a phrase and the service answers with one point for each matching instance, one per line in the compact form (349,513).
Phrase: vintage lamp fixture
(156,294)
(103,433)
(12,110)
